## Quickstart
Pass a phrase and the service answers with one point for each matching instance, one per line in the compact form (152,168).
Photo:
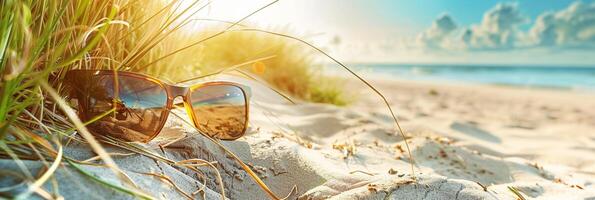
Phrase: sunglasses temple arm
(247,90)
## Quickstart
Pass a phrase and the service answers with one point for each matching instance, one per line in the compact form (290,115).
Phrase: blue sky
(554,32)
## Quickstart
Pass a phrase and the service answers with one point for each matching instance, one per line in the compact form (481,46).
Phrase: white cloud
(436,35)
(498,29)
(571,27)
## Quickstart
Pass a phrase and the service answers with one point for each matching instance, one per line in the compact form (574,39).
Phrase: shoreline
(375,73)
(383,79)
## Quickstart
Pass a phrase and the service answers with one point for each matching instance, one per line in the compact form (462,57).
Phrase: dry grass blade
(516,192)
(184,163)
(164,177)
(262,82)
(230,68)
(96,28)
(110,154)
(38,139)
(393,115)
(218,20)
(45,194)
(363,172)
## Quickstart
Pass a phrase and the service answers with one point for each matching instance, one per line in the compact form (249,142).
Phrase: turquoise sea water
(572,78)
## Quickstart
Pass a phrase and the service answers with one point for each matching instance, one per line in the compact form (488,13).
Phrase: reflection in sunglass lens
(134,113)
(220,110)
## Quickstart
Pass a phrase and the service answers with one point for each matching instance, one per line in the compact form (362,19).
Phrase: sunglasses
(135,107)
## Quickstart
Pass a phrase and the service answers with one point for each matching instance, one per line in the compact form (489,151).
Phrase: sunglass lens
(220,110)
(122,106)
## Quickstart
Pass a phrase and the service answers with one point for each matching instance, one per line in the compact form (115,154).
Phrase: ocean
(561,77)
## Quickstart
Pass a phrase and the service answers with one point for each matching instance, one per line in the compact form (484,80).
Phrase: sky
(537,32)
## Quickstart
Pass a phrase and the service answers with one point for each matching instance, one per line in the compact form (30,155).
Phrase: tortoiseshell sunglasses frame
(173,92)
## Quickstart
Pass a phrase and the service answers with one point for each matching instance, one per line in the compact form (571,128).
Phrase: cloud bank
(436,35)
(571,27)
(498,29)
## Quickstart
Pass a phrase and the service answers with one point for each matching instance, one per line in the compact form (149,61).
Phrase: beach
(536,140)
(467,141)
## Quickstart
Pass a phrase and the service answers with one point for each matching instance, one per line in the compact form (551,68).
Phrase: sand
(463,138)
(468,142)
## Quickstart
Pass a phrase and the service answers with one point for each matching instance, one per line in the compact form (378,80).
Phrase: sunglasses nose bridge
(176,91)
